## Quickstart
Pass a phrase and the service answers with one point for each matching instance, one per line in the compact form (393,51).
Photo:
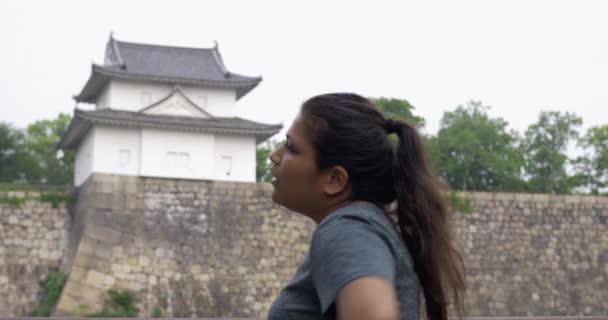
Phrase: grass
(461,202)
(50,289)
(48,194)
(120,304)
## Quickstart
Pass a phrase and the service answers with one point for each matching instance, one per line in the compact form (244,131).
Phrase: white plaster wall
(241,151)
(177,154)
(116,150)
(103,100)
(134,96)
(83,166)
(159,153)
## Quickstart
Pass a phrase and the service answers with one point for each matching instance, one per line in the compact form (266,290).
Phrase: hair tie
(392,126)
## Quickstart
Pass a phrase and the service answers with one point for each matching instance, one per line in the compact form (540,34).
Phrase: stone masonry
(33,240)
(190,248)
(223,249)
(536,255)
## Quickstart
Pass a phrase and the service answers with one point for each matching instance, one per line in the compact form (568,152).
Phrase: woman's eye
(287,146)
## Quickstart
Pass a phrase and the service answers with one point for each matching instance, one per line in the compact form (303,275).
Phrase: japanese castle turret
(164,112)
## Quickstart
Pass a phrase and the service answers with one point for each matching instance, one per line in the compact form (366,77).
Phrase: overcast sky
(519,57)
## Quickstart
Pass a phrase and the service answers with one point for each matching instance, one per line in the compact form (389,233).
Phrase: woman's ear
(335,181)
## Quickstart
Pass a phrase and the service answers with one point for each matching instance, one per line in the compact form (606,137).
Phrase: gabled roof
(176,92)
(84,120)
(176,65)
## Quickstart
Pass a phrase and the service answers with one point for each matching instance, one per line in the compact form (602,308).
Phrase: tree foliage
(472,151)
(545,145)
(398,109)
(31,156)
(262,152)
(10,152)
(593,168)
(43,163)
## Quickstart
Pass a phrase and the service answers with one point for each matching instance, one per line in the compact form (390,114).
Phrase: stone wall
(218,249)
(542,255)
(190,248)
(33,240)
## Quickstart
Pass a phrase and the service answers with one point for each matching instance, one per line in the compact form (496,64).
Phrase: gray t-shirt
(354,241)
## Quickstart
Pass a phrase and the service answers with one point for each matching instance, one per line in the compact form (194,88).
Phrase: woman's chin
(274,196)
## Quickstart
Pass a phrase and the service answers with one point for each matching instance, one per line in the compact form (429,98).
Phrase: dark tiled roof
(84,120)
(174,65)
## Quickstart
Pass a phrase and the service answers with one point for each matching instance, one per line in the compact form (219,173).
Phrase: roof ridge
(108,69)
(218,59)
(160,46)
(120,61)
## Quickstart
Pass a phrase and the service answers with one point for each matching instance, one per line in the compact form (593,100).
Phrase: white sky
(520,57)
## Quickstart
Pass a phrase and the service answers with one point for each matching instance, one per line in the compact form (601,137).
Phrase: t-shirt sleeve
(344,249)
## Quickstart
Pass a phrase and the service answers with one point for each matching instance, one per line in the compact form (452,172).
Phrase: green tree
(398,109)
(262,152)
(10,152)
(42,162)
(593,168)
(545,145)
(472,151)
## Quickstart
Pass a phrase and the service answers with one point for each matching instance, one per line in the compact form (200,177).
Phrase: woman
(339,168)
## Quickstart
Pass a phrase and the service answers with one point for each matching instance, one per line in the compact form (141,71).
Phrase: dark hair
(349,131)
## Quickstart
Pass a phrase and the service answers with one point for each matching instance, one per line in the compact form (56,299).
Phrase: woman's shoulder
(367,218)
(363,216)
(358,212)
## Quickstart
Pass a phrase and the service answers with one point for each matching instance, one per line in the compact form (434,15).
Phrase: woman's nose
(274,157)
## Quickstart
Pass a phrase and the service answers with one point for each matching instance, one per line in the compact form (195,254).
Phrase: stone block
(87,246)
(95,279)
(56,255)
(84,260)
(92,296)
(131,185)
(195,269)
(144,261)
(135,286)
(126,268)
(103,250)
(570,199)
(104,234)
(67,305)
(109,281)
(13,220)
(118,203)
(117,252)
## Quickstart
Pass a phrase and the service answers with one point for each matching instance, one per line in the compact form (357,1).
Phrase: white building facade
(164,112)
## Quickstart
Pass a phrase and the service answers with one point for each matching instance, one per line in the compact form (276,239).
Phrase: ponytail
(423,219)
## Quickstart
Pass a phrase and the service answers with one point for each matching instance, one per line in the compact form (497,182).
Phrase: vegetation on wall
(47,194)
(50,290)
(119,304)
(461,202)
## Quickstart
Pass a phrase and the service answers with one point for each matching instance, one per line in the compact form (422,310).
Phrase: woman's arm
(367,298)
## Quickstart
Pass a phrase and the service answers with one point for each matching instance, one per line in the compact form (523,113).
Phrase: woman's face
(296,180)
